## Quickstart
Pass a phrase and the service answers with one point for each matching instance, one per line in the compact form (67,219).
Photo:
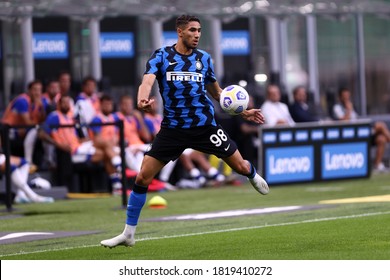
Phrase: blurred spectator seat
(330,102)
(80,177)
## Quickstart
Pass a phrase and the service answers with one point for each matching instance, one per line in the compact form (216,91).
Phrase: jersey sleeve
(210,75)
(154,63)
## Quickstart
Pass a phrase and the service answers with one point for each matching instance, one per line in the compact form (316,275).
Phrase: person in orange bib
(81,150)
(104,132)
(26,109)
(136,132)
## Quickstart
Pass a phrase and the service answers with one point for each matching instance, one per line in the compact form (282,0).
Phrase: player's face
(190,35)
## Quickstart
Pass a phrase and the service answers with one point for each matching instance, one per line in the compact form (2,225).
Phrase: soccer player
(190,158)
(184,74)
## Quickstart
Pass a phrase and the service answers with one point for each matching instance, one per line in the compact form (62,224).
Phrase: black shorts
(170,143)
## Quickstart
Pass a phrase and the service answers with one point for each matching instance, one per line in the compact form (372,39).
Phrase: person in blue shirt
(184,74)
(300,110)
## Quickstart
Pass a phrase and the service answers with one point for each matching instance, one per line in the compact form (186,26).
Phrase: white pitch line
(212,232)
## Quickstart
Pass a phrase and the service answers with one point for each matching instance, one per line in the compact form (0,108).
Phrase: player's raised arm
(144,103)
(214,89)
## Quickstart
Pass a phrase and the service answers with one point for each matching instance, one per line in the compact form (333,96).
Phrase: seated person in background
(26,109)
(50,100)
(105,115)
(200,171)
(65,82)
(300,110)
(110,133)
(87,103)
(81,150)
(137,140)
(344,110)
(51,96)
(136,132)
(274,111)
(19,176)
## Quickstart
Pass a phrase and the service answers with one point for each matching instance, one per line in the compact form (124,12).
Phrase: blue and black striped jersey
(182,80)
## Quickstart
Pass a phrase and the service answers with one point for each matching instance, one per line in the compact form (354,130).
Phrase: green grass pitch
(357,230)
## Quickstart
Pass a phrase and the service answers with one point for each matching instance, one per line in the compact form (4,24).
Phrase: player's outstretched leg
(244,167)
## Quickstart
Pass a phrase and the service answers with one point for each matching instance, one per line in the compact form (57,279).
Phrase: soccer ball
(234,99)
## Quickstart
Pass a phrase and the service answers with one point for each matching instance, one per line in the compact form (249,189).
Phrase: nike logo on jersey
(227,148)
(173,63)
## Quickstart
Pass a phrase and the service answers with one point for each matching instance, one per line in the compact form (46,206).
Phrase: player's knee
(142,180)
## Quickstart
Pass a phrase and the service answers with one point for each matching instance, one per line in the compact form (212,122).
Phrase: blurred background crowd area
(323,45)
(320,45)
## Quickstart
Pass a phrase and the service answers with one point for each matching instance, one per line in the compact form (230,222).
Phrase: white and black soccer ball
(234,99)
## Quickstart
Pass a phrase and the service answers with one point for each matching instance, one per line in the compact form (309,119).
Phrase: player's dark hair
(183,20)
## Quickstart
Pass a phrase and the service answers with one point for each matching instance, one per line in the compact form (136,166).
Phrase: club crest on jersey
(198,65)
